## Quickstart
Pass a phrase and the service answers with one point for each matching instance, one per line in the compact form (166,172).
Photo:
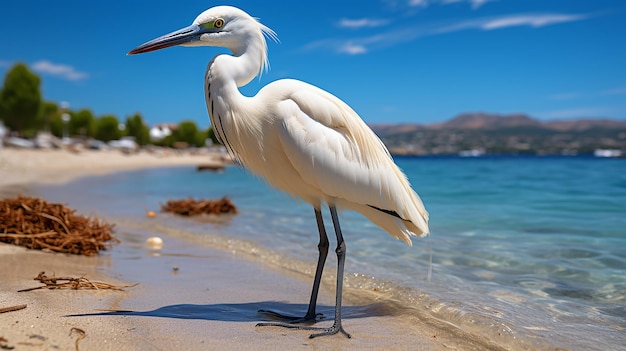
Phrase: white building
(160,131)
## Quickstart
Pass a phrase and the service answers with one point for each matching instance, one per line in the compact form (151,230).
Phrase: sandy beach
(209,301)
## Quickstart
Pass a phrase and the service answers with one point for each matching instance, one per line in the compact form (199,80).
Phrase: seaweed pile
(37,224)
(191,207)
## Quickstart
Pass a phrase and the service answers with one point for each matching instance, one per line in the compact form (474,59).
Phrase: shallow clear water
(520,245)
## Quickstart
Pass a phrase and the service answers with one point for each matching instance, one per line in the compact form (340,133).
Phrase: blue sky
(393,61)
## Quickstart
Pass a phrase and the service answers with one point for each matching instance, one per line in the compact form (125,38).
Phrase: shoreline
(19,167)
(209,302)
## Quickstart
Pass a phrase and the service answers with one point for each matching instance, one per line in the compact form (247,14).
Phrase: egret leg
(310,316)
(341,259)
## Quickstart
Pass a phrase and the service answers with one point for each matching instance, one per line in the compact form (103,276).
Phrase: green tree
(187,131)
(107,128)
(82,123)
(136,128)
(168,141)
(49,112)
(20,99)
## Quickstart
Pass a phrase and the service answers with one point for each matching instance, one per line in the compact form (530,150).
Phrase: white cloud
(393,36)
(421,3)
(478,3)
(363,22)
(535,21)
(352,49)
(539,20)
(475,4)
(59,70)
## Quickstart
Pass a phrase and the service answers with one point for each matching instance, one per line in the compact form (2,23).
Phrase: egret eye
(219,23)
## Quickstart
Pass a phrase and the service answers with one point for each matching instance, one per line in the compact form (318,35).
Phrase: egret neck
(224,75)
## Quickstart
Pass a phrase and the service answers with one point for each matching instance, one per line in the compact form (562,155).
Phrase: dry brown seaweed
(191,207)
(37,224)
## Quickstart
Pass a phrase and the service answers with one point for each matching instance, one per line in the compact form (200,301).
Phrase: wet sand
(189,296)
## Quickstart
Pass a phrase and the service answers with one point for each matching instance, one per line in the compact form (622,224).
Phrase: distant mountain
(486,121)
(585,124)
(390,129)
(514,133)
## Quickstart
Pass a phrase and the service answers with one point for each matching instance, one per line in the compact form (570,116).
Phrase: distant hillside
(392,129)
(487,121)
(585,124)
(515,133)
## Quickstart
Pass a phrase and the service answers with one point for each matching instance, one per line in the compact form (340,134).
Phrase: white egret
(300,139)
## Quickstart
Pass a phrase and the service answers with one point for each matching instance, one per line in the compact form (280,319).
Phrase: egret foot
(309,318)
(332,330)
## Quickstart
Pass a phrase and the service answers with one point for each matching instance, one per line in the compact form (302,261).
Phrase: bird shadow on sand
(248,312)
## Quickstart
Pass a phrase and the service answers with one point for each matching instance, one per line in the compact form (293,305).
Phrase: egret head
(223,26)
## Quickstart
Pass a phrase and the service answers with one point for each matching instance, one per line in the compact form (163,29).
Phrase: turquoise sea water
(520,245)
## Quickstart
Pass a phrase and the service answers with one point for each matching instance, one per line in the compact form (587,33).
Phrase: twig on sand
(4,344)
(12,308)
(73,283)
(81,335)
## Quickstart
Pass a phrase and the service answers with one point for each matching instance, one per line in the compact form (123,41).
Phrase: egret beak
(179,37)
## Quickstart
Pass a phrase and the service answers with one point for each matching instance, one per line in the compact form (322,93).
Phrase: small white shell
(154,243)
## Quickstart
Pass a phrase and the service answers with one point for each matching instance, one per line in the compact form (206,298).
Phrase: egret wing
(335,152)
